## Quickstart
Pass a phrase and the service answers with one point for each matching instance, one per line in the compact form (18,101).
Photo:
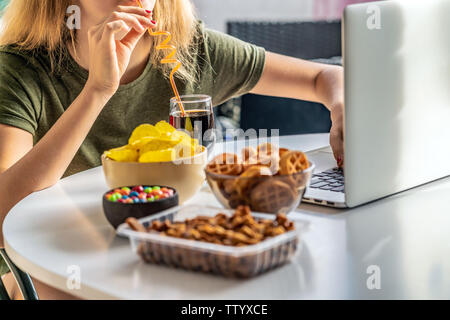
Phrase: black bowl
(116,213)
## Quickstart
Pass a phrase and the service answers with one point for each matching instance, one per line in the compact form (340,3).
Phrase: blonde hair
(41,24)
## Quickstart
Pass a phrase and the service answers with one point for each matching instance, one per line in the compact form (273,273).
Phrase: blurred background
(307,29)
(217,13)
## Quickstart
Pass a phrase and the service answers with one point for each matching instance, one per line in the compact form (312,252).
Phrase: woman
(68,95)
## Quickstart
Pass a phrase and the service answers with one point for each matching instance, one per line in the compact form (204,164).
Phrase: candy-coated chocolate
(139,194)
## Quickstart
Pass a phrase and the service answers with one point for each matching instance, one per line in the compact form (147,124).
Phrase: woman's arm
(299,79)
(14,144)
(44,164)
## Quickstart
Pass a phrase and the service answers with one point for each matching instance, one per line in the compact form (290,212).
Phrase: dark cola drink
(198,123)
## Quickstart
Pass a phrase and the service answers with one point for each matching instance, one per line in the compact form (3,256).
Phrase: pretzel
(292,162)
(272,196)
(218,230)
(238,230)
(282,151)
(266,149)
(225,164)
(247,153)
(271,161)
(282,220)
(135,225)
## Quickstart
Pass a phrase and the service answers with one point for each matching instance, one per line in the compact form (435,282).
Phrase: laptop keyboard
(330,180)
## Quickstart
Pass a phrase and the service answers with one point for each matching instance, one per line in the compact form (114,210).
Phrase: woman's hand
(337,132)
(330,86)
(111,44)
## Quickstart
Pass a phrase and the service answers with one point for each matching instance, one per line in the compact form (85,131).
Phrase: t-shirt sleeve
(236,65)
(20,93)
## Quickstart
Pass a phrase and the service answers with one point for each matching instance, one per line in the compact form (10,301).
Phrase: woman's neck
(138,61)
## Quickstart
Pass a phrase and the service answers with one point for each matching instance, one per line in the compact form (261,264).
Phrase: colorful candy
(139,194)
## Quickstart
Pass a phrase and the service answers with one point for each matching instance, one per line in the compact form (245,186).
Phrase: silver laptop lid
(397,91)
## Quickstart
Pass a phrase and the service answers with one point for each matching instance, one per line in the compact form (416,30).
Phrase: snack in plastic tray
(230,243)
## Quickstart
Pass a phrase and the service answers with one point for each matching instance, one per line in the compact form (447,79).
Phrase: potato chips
(158,143)
(123,154)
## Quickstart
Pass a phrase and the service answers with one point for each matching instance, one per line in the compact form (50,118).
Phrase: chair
(23,281)
(305,40)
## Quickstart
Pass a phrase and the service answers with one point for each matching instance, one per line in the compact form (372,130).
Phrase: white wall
(215,13)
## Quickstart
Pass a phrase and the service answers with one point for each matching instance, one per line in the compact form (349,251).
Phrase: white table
(406,237)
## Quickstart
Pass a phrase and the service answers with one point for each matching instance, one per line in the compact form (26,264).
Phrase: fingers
(338,153)
(136,18)
(120,25)
(337,144)
(135,10)
(115,30)
(132,38)
(142,15)
(137,22)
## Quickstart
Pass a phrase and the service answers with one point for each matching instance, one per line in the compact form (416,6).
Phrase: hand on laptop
(337,132)
(330,91)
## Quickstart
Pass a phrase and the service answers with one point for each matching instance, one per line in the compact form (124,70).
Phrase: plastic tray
(240,262)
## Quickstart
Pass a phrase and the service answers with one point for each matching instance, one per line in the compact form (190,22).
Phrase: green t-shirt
(32,98)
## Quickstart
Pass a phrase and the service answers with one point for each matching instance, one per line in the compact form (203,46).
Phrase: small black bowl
(116,213)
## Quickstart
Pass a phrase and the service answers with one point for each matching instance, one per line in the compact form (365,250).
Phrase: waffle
(225,164)
(292,162)
(244,184)
(272,196)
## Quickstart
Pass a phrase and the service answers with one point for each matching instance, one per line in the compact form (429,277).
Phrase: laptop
(397,103)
